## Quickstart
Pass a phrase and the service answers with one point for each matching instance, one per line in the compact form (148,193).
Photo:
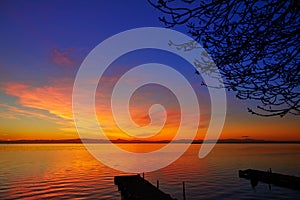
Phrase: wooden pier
(269,177)
(137,188)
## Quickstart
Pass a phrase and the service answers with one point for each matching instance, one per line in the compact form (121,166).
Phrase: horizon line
(138,141)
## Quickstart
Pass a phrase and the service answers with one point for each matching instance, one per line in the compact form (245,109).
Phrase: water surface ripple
(68,171)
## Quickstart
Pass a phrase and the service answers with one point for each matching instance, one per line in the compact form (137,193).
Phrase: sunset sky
(43,44)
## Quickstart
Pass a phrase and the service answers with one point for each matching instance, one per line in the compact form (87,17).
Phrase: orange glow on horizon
(45,112)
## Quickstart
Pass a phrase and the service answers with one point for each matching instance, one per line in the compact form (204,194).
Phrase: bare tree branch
(255,45)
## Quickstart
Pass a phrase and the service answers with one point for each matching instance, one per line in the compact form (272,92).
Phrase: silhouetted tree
(255,45)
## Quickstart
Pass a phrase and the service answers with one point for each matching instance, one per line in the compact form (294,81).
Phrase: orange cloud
(62,58)
(13,112)
(55,99)
(53,102)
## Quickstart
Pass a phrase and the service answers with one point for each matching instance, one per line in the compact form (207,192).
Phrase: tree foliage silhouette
(255,45)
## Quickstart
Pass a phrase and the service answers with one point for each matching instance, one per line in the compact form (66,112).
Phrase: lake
(55,171)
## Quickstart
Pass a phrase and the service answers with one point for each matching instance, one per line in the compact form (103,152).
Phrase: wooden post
(157,184)
(183,190)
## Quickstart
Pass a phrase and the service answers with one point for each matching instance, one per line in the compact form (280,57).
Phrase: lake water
(35,171)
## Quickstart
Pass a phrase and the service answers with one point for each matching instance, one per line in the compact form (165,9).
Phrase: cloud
(62,58)
(14,112)
(54,98)
(4,72)
(53,102)
(245,136)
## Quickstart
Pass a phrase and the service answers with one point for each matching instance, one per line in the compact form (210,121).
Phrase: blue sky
(42,46)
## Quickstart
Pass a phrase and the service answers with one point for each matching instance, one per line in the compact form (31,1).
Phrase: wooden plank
(269,177)
(136,188)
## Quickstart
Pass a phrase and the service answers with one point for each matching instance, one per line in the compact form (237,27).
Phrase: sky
(43,44)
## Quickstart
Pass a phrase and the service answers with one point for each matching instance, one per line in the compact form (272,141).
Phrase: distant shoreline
(120,141)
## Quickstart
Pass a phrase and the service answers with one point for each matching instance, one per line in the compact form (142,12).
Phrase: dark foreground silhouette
(137,188)
(269,177)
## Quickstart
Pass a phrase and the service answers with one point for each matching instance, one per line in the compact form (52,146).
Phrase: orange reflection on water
(53,170)
(68,171)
